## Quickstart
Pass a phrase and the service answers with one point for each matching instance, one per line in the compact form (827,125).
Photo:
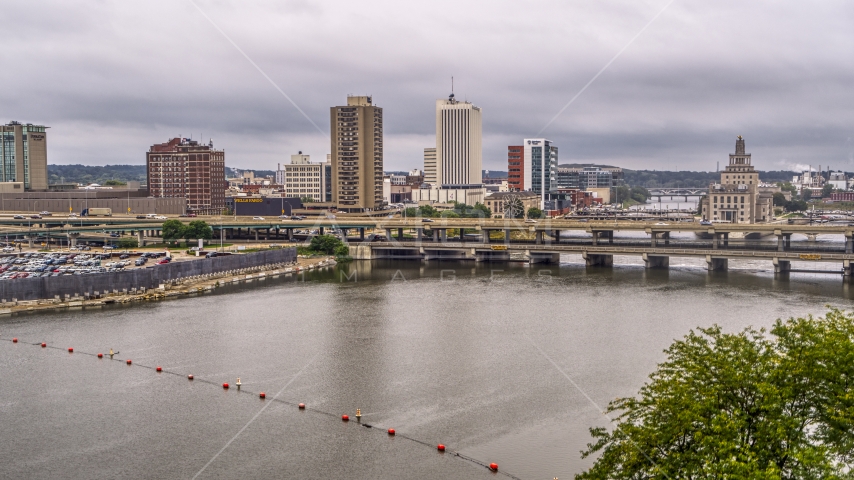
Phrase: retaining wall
(149,277)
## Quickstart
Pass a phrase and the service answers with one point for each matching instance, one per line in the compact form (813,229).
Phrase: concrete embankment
(172,289)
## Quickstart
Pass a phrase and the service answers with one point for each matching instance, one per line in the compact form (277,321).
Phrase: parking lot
(54,264)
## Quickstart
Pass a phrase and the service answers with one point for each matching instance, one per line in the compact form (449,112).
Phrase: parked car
(18,217)
(705,222)
(124,256)
(427,220)
(45,213)
(36,216)
(211,255)
(257,218)
(141,217)
(530,220)
(163,261)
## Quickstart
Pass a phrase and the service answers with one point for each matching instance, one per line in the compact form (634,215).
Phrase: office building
(23,153)
(458,144)
(184,168)
(515,168)
(430,166)
(738,197)
(357,155)
(303,179)
(585,177)
(539,167)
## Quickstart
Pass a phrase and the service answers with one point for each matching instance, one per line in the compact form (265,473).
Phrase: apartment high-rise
(357,154)
(23,153)
(430,166)
(185,168)
(515,168)
(459,157)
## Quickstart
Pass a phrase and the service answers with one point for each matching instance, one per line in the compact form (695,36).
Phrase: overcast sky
(112,78)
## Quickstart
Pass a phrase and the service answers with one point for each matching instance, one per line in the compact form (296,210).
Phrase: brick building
(185,168)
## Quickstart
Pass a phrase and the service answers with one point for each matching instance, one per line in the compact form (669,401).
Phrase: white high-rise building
(459,157)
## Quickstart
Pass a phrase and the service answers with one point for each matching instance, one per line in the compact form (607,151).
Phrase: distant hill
(664,178)
(86,174)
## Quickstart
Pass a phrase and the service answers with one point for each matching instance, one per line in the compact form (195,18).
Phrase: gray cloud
(111,78)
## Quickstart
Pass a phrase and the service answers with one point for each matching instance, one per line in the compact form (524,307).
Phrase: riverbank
(174,289)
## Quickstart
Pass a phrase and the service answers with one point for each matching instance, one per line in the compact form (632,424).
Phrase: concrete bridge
(491,239)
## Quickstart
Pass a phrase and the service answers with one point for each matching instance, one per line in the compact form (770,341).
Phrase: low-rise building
(499,202)
(302,179)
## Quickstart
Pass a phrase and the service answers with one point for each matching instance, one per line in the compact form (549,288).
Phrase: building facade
(430,166)
(737,198)
(515,168)
(459,152)
(498,203)
(184,168)
(540,166)
(587,177)
(357,155)
(23,153)
(303,179)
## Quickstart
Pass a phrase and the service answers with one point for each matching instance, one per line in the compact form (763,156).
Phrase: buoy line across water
(390,432)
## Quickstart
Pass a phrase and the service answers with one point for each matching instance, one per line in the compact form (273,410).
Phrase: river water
(502,363)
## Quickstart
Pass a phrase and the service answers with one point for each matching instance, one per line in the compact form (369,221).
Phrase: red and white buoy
(302,406)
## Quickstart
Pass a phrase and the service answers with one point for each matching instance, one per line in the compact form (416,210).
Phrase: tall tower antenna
(452,84)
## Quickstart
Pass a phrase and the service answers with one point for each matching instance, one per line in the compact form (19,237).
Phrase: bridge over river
(494,239)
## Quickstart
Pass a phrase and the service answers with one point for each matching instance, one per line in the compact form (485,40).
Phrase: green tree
(428,211)
(114,183)
(795,206)
(806,194)
(307,200)
(128,242)
(411,212)
(826,190)
(740,405)
(779,199)
(342,253)
(325,244)
(535,212)
(198,229)
(173,230)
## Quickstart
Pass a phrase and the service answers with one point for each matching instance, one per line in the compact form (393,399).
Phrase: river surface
(502,363)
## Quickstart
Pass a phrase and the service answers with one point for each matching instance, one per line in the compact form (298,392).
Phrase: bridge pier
(717,238)
(784,241)
(656,261)
(597,260)
(140,239)
(713,263)
(849,244)
(539,237)
(507,236)
(400,234)
(781,266)
(419,234)
(556,236)
(542,257)
(847,270)
(492,256)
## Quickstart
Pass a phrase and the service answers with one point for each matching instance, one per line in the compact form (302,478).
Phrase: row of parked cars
(32,265)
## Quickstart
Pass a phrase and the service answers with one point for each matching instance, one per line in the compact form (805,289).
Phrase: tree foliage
(535,212)
(826,190)
(128,242)
(743,405)
(173,230)
(198,229)
(325,244)
(779,199)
